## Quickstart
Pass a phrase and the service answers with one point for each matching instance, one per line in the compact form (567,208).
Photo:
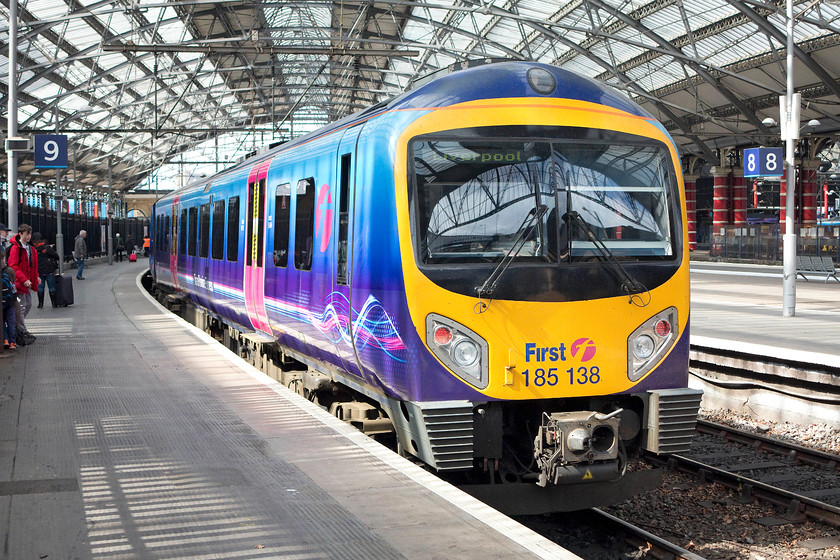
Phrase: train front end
(546,275)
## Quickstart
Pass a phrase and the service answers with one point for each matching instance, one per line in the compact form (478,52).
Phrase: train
(492,267)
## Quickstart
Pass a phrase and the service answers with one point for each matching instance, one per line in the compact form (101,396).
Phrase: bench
(816,265)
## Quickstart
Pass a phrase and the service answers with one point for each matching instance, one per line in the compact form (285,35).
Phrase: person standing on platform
(8,312)
(130,245)
(147,243)
(4,238)
(80,253)
(118,247)
(24,259)
(47,265)
(4,249)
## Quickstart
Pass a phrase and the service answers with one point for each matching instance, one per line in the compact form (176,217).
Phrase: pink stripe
(254,275)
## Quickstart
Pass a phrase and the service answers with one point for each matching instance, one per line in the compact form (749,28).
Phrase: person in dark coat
(130,245)
(119,247)
(5,242)
(80,253)
(24,259)
(47,265)
(8,316)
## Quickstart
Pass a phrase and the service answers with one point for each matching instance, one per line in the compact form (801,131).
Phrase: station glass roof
(159,93)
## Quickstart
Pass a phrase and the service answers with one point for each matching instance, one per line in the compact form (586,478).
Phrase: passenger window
(182,233)
(193,230)
(304,223)
(282,214)
(233,229)
(204,235)
(218,249)
(166,225)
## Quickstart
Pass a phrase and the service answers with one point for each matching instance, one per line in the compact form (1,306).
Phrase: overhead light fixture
(813,123)
(769,121)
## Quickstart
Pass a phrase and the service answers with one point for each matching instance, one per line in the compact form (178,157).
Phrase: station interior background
(153,95)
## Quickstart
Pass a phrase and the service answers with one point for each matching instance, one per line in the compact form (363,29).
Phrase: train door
(342,273)
(173,242)
(254,275)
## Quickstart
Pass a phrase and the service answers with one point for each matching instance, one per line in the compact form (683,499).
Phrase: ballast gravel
(710,521)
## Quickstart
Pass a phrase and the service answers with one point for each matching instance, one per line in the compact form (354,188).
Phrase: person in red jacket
(23,258)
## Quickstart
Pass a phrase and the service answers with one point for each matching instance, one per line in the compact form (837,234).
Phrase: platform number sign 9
(763,162)
(50,151)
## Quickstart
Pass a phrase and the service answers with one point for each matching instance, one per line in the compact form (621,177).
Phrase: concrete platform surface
(739,307)
(126,433)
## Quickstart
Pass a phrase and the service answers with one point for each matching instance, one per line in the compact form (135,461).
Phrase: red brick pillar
(739,198)
(810,187)
(783,204)
(721,203)
(691,209)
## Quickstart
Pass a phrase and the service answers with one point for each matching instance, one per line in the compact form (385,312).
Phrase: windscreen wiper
(489,286)
(629,285)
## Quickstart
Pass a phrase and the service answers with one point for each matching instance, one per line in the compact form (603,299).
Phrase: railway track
(594,533)
(651,545)
(803,481)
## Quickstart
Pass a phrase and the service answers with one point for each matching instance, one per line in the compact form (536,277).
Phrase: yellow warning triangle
(588,475)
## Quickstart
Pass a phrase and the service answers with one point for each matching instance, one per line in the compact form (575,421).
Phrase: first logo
(585,347)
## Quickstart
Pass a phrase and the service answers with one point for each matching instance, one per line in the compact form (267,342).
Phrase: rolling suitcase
(132,257)
(63,290)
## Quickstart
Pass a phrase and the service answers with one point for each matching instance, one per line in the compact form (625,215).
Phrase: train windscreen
(542,200)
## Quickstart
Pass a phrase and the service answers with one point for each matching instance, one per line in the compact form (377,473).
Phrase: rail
(799,506)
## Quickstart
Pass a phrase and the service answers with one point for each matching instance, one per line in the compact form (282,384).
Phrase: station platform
(127,433)
(738,307)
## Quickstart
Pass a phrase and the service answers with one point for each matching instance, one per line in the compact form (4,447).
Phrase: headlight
(465,353)
(651,341)
(459,348)
(643,347)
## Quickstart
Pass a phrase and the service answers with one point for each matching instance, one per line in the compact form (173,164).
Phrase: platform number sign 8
(752,162)
(763,162)
(771,162)
(50,151)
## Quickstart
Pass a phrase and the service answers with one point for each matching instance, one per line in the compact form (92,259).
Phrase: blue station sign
(764,162)
(50,151)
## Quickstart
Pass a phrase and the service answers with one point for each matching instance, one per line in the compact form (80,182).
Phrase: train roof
(481,80)
(512,79)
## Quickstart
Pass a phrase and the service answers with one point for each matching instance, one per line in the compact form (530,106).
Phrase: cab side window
(282,215)
(233,229)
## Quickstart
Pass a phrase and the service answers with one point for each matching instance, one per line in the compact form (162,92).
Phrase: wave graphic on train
(372,326)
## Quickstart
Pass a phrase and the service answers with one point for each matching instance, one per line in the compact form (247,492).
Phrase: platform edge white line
(769,351)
